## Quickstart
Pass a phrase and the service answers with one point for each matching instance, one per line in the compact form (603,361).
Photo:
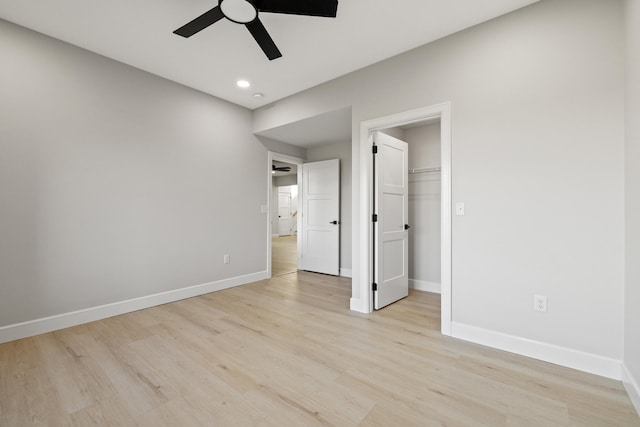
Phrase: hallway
(283,255)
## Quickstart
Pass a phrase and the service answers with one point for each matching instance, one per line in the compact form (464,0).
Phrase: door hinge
(374,286)
(374,149)
(374,218)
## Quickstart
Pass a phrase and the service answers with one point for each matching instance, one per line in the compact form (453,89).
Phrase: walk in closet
(424,202)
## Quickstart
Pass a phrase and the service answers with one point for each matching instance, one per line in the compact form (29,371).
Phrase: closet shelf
(424,170)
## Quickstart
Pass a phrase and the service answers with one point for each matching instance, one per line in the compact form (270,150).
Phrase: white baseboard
(66,320)
(275,235)
(563,356)
(355,304)
(632,385)
(423,285)
(346,272)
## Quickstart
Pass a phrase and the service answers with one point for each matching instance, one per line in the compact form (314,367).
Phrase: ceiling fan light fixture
(245,12)
(239,11)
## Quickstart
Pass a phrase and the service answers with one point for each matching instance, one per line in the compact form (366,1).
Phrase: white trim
(356,304)
(633,387)
(563,356)
(423,285)
(346,272)
(271,156)
(361,249)
(74,318)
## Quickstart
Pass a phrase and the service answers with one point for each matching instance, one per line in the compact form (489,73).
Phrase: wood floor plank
(285,352)
(283,255)
(106,412)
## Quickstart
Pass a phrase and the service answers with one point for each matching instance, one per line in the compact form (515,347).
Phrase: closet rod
(424,170)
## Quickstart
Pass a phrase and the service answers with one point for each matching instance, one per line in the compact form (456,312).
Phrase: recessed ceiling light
(258,95)
(243,83)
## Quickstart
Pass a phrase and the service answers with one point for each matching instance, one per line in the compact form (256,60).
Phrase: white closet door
(391,241)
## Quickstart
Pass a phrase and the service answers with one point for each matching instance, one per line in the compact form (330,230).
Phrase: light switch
(263,208)
(460,209)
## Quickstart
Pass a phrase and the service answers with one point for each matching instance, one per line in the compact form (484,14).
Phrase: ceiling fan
(275,168)
(246,12)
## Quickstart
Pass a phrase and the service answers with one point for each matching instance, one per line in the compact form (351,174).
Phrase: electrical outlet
(540,303)
(227,259)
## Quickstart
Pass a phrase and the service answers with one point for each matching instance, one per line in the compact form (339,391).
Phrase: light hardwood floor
(288,352)
(284,255)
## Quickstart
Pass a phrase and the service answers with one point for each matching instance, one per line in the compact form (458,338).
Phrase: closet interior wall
(424,203)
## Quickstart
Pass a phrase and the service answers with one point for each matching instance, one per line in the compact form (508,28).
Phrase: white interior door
(284,214)
(320,225)
(391,238)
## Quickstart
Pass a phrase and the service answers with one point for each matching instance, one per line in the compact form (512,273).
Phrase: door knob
(407,226)
(334,222)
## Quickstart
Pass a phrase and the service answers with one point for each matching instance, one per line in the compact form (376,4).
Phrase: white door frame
(362,287)
(271,156)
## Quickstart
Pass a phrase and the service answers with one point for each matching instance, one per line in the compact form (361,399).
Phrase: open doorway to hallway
(284,221)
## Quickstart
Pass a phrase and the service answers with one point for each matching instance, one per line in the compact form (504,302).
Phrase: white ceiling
(315,50)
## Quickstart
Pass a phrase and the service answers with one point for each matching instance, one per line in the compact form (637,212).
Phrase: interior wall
(286,180)
(282,147)
(396,132)
(632,292)
(535,95)
(114,182)
(424,206)
(340,151)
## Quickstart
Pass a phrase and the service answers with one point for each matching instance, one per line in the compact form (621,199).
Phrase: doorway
(283,216)
(362,287)
(424,202)
(315,221)
(284,240)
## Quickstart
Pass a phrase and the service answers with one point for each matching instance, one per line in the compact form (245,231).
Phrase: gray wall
(424,203)
(632,294)
(340,151)
(285,180)
(537,156)
(114,184)
(282,147)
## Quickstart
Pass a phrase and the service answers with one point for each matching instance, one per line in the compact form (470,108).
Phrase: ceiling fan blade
(263,38)
(200,23)
(281,168)
(326,8)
